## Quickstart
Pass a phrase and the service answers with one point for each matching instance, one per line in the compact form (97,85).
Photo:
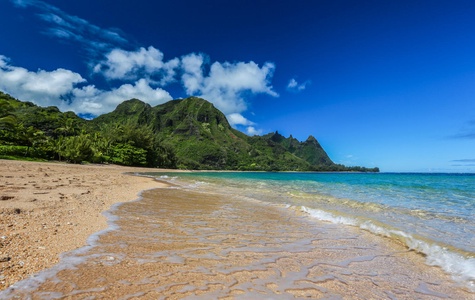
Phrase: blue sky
(378,83)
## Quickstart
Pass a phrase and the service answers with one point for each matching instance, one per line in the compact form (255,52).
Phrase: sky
(378,83)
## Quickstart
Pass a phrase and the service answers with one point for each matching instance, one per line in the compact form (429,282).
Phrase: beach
(50,208)
(192,238)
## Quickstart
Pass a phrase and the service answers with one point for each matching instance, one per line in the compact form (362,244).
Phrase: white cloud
(41,87)
(88,99)
(237,119)
(91,38)
(292,83)
(251,130)
(169,71)
(226,83)
(294,86)
(122,64)
(192,78)
(60,88)
(23,3)
(240,77)
(3,61)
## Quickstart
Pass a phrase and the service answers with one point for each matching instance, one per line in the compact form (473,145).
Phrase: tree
(77,149)
(8,123)
(69,127)
(7,118)
(126,154)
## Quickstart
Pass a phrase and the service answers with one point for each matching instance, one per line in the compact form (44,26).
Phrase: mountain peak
(277,137)
(311,138)
(132,106)
(185,133)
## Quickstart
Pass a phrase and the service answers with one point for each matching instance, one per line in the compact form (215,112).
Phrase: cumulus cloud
(61,88)
(227,84)
(122,64)
(94,101)
(240,77)
(41,87)
(251,130)
(294,86)
(135,73)
(192,67)
(238,119)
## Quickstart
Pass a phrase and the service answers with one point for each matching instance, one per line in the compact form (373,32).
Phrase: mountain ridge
(187,133)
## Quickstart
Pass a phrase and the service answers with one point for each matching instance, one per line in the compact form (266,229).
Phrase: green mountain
(311,151)
(186,133)
(48,119)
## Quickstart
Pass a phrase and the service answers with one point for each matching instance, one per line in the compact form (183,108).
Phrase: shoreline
(234,249)
(48,208)
(51,209)
(457,263)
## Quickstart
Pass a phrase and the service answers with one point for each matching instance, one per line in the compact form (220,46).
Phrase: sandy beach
(183,244)
(50,208)
(179,242)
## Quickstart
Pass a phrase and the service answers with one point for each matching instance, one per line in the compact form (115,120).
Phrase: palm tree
(7,119)
(68,128)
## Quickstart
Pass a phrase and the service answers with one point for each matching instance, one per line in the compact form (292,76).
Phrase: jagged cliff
(203,139)
(186,133)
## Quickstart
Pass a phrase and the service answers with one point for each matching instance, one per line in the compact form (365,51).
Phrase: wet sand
(177,243)
(50,208)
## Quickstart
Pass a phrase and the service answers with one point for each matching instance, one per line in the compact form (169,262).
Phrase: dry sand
(50,208)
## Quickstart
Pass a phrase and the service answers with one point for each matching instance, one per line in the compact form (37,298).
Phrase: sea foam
(461,268)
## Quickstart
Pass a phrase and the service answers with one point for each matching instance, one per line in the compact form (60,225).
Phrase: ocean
(431,213)
(256,235)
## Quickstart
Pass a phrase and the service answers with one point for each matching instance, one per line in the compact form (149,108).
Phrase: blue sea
(431,213)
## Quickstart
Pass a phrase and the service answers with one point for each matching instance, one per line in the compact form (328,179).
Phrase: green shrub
(128,155)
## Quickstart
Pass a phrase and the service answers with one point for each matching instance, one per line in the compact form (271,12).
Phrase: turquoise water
(434,214)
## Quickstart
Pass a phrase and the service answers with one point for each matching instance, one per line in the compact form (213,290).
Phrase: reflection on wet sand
(178,244)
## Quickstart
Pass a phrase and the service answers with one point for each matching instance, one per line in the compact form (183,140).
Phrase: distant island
(180,134)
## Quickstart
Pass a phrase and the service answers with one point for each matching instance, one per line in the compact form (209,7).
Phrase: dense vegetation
(187,134)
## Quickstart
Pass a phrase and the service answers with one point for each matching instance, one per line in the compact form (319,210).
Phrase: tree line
(66,138)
